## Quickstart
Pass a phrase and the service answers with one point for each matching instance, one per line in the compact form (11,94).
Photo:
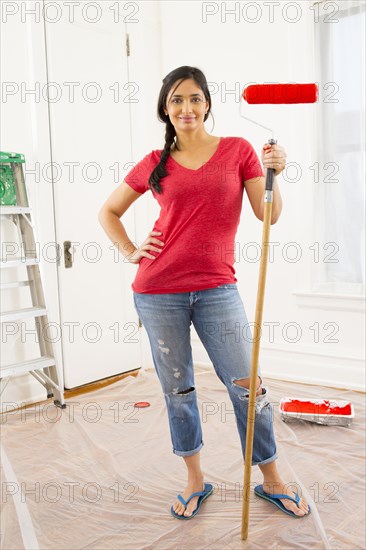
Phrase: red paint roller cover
(281,93)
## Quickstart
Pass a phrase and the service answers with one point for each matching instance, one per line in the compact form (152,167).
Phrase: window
(340,190)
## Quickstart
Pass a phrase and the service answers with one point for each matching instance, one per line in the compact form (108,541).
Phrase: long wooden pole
(255,351)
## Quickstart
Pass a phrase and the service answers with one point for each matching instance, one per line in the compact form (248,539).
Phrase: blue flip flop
(208,490)
(258,490)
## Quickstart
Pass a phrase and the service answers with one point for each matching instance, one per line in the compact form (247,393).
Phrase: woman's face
(186,106)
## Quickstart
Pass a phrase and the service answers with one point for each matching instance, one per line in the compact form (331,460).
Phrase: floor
(101,474)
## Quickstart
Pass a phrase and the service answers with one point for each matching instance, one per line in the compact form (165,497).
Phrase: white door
(90,142)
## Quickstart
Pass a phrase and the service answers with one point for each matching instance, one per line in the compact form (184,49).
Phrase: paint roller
(272,94)
(281,93)
(277,94)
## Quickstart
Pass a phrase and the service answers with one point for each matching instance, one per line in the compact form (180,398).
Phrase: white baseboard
(303,365)
(314,369)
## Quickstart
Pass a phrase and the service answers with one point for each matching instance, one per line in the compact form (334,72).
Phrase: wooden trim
(86,388)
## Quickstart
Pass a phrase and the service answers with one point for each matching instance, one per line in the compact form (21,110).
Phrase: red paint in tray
(316,407)
(322,411)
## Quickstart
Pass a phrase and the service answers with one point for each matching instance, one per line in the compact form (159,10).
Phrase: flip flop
(258,490)
(208,490)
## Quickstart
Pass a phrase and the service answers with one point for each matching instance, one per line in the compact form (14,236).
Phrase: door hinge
(128,50)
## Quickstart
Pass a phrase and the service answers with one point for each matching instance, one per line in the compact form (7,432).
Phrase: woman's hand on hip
(148,244)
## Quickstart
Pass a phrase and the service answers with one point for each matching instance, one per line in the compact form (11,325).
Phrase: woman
(186,275)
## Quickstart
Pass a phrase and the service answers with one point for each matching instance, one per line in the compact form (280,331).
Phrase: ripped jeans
(219,318)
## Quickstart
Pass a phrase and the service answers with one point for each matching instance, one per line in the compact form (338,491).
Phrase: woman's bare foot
(194,485)
(272,487)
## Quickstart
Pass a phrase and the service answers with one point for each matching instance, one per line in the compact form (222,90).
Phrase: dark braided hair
(181,73)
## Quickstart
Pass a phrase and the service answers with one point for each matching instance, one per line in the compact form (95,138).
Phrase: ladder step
(17,314)
(5,286)
(26,366)
(18,261)
(10,210)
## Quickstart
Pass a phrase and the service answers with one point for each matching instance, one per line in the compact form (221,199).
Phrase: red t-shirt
(199,217)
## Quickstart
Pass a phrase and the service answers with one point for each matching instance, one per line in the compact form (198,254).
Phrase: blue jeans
(219,318)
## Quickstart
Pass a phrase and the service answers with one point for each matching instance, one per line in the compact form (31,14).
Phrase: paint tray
(334,412)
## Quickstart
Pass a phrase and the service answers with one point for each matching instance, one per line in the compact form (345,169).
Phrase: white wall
(25,129)
(231,54)
(230,49)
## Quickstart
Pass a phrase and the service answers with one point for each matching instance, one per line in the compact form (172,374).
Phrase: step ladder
(14,206)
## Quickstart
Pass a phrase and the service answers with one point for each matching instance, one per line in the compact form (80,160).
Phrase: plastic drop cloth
(101,474)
